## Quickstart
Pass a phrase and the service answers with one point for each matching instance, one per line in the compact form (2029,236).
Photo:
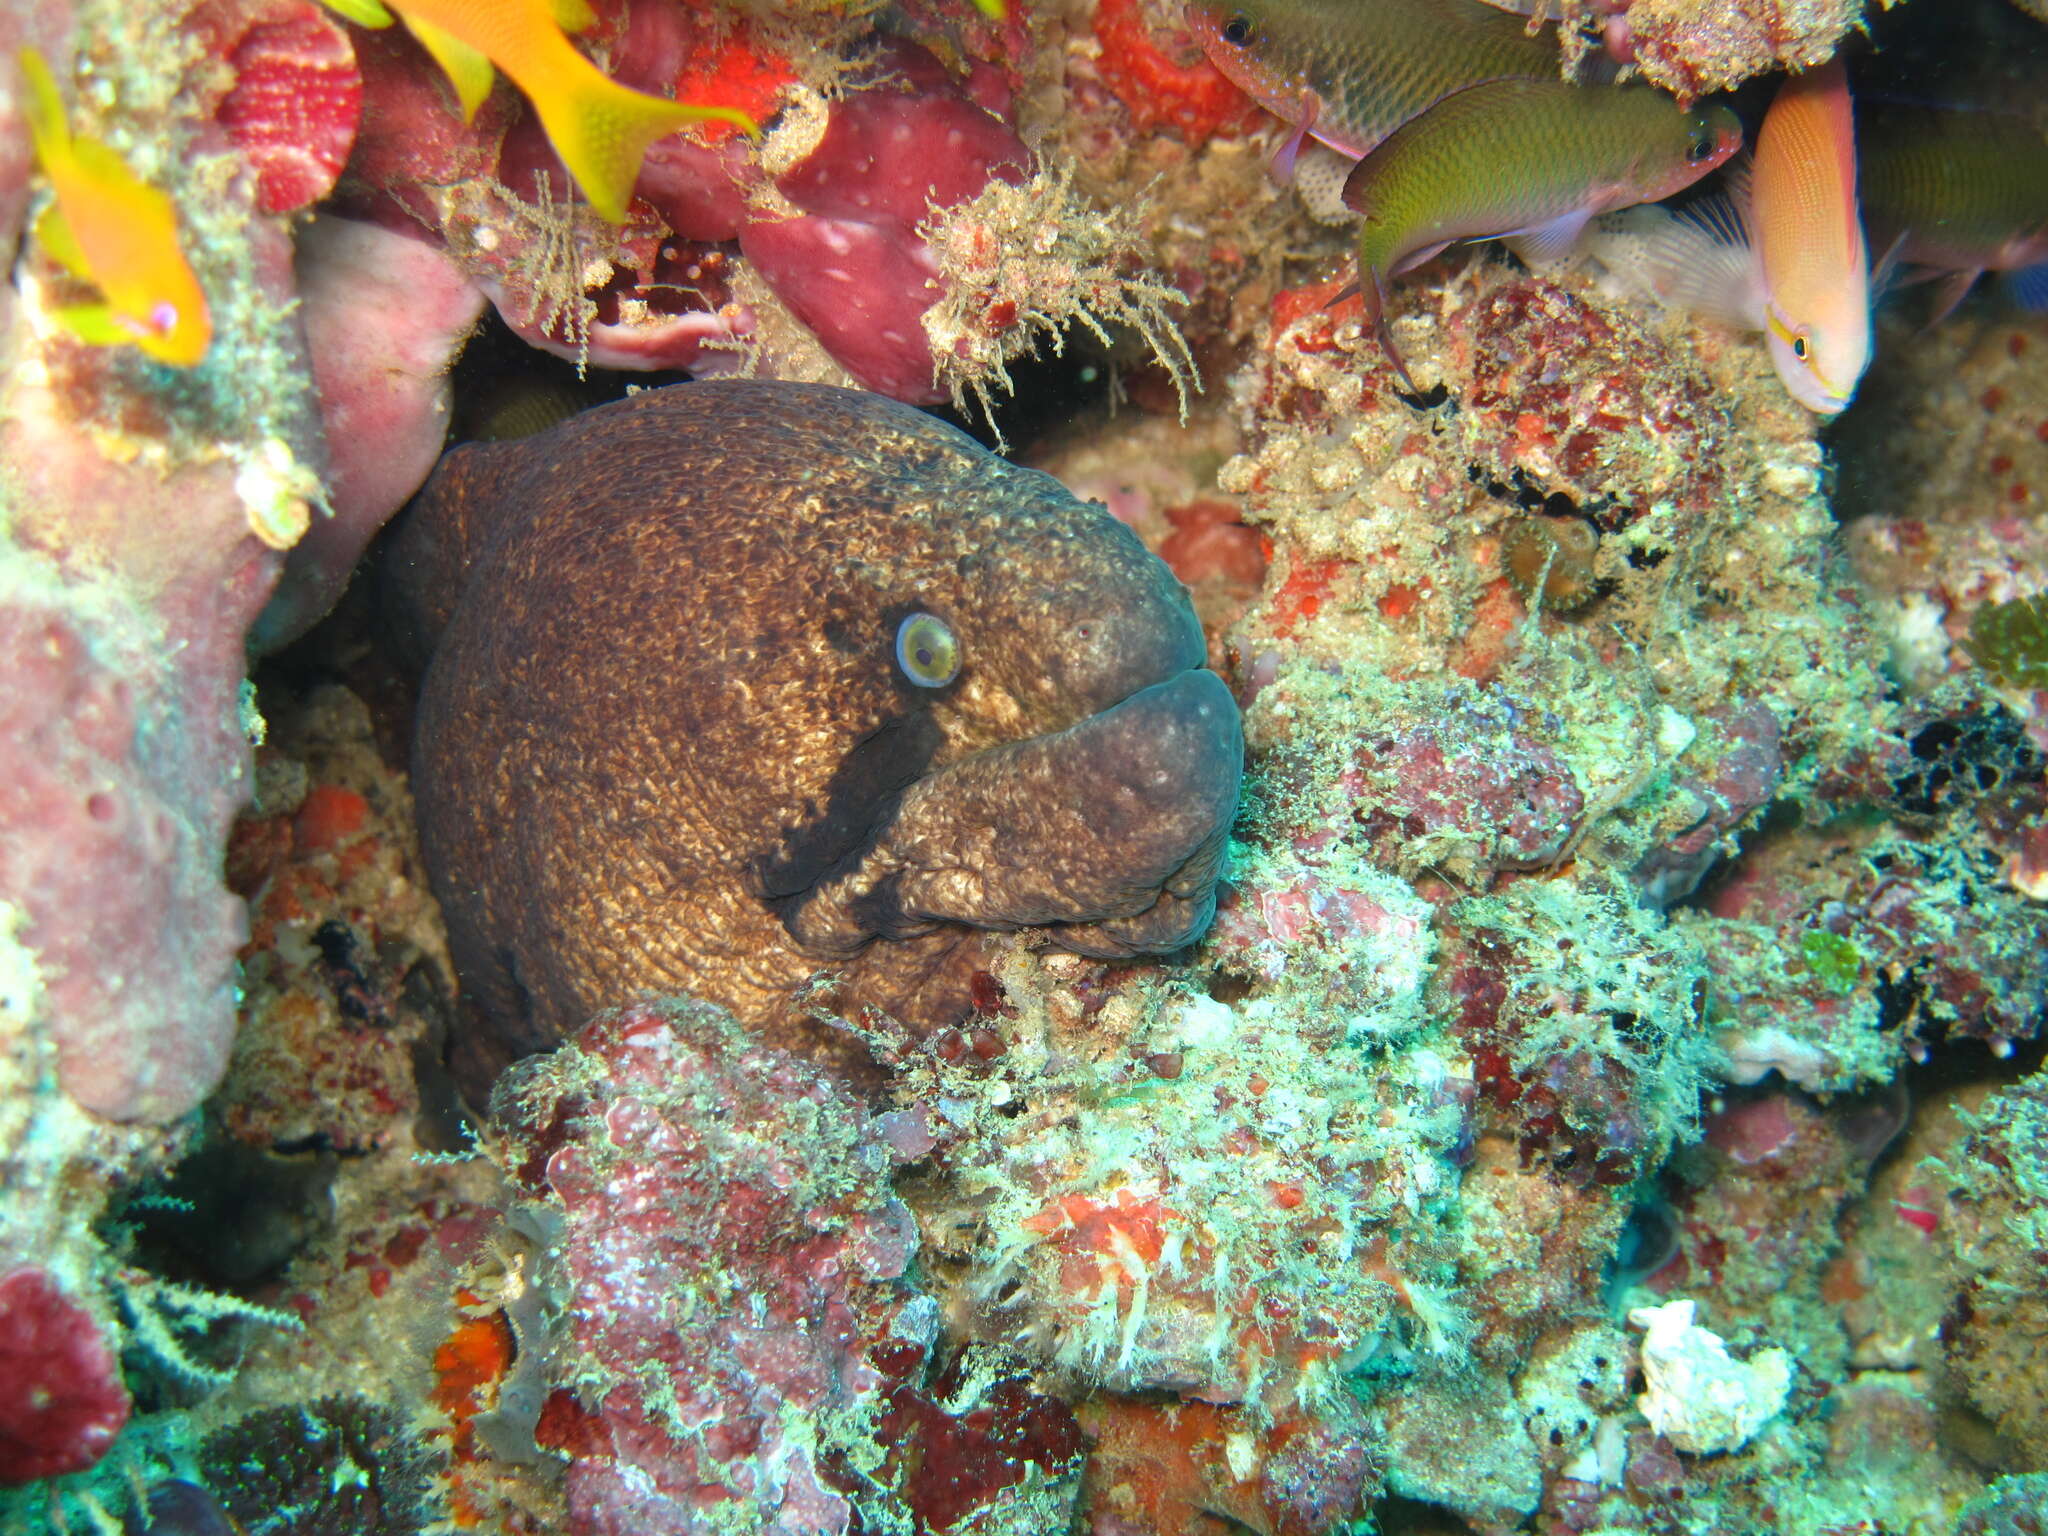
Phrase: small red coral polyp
(294,107)
(62,1400)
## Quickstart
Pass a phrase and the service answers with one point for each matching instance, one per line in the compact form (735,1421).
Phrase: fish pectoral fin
(467,69)
(1416,258)
(1888,268)
(1548,244)
(572,15)
(96,324)
(1282,167)
(1950,292)
(364,13)
(53,233)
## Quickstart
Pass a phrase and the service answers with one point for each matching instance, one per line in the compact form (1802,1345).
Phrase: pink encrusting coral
(734,1278)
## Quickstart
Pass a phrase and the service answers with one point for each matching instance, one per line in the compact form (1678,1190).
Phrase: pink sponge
(119,882)
(852,267)
(62,1401)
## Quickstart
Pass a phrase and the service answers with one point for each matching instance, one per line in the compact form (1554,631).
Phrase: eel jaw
(1110,833)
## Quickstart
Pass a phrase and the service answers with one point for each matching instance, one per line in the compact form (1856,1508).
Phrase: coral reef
(1609,1096)
(1997,1229)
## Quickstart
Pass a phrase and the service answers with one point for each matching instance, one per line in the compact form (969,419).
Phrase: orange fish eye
(163,317)
(1237,29)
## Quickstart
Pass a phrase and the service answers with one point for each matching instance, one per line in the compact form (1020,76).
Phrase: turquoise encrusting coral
(1608,1098)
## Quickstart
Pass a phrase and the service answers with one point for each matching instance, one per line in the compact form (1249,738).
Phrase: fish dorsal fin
(467,69)
(1722,215)
(1683,261)
(44,109)
(1738,194)
(572,15)
(53,233)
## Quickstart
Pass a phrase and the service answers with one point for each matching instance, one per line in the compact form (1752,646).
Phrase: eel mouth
(1110,833)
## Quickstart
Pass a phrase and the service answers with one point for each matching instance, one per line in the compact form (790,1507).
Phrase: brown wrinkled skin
(664,746)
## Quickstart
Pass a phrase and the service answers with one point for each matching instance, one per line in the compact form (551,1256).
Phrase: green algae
(2010,641)
(1834,961)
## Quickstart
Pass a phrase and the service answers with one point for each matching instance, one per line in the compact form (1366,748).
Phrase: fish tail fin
(2028,287)
(364,13)
(48,127)
(466,68)
(602,129)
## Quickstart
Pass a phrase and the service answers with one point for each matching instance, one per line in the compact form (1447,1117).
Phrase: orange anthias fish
(1785,255)
(1809,237)
(118,233)
(600,128)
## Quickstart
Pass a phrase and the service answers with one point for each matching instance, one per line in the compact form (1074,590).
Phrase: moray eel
(737,681)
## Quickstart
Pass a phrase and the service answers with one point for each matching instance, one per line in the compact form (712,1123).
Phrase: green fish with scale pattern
(1528,158)
(1953,192)
(1349,73)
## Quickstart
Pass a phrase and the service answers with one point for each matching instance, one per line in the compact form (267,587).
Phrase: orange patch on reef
(1302,594)
(330,813)
(468,1366)
(1328,299)
(1103,1242)
(1159,91)
(1494,618)
(738,75)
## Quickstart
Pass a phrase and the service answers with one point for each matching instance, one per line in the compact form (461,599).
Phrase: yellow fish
(111,228)
(600,128)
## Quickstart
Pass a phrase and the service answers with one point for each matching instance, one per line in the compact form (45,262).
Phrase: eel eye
(1237,29)
(1800,349)
(927,651)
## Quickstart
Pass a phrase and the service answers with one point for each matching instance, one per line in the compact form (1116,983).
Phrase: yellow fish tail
(602,129)
(572,15)
(466,68)
(364,13)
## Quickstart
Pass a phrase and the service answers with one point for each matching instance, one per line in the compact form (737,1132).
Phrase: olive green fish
(1349,72)
(1529,158)
(1953,192)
